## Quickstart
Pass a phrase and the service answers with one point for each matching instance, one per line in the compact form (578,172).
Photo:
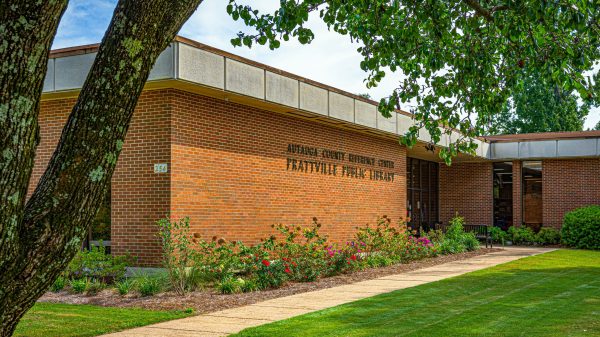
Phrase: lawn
(554,294)
(48,319)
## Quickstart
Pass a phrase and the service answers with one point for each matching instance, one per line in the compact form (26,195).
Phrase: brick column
(467,188)
(517,193)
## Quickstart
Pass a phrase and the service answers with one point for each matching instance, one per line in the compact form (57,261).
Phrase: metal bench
(482,232)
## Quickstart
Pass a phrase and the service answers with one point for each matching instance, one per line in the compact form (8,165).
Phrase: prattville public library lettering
(338,163)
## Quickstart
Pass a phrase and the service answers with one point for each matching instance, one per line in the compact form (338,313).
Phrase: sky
(331,58)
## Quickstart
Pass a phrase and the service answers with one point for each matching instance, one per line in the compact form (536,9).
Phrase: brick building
(238,146)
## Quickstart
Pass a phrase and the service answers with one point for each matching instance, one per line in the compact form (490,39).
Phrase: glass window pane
(532,194)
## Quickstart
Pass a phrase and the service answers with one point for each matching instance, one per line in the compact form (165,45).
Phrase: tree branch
(480,10)
(488,14)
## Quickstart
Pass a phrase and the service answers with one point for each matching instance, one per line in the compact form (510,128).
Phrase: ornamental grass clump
(149,285)
(79,286)
(124,286)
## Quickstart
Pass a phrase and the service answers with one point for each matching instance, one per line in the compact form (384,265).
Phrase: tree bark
(56,217)
(27,30)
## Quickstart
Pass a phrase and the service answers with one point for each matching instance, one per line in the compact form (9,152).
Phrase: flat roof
(196,67)
(93,48)
(543,136)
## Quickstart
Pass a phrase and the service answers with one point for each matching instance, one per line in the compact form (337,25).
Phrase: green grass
(554,294)
(48,319)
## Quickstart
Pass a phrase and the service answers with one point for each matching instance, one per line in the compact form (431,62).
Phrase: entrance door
(422,192)
(503,195)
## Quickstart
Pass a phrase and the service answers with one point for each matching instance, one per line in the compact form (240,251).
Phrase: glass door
(503,195)
(422,192)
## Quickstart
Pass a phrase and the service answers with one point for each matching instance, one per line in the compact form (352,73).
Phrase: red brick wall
(229,172)
(52,118)
(568,184)
(466,188)
(139,197)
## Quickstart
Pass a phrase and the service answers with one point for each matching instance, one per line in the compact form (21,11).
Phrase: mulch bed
(209,300)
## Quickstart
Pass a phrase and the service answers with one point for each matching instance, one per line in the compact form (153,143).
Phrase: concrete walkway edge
(225,322)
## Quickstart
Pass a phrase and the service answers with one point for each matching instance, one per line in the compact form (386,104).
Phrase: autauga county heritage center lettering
(344,164)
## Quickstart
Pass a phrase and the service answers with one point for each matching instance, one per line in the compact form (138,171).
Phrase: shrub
(249,285)
(436,236)
(526,236)
(271,274)
(218,259)
(292,253)
(393,244)
(231,285)
(521,235)
(304,253)
(547,236)
(149,285)
(96,264)
(470,241)
(376,260)
(124,286)
(498,235)
(178,254)
(581,228)
(451,246)
(79,286)
(456,240)
(58,285)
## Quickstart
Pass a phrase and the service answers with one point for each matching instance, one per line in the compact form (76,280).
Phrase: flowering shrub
(177,255)
(386,244)
(295,253)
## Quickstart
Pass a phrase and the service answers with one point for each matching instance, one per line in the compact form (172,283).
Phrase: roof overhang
(565,148)
(195,67)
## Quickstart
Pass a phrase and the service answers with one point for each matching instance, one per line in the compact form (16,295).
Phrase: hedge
(581,228)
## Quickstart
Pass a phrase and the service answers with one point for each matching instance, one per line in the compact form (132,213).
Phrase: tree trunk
(57,215)
(27,30)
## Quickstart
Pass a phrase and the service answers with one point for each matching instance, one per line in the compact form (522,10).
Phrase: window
(532,194)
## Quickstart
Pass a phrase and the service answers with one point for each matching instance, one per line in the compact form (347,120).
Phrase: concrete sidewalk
(230,321)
